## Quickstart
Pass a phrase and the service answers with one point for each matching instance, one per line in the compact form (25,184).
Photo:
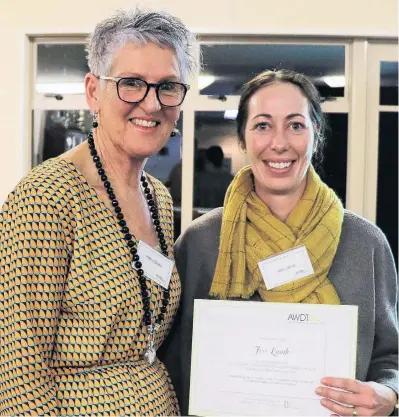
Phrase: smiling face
(279,139)
(140,129)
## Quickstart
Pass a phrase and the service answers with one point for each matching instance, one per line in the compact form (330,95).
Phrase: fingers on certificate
(341,395)
(348,384)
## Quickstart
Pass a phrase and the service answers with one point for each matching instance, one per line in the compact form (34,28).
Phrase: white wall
(44,17)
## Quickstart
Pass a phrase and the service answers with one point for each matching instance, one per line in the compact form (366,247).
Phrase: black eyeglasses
(135,90)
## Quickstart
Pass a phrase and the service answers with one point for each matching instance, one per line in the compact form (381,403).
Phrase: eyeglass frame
(117,80)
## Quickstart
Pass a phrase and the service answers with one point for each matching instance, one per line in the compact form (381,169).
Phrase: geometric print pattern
(72,339)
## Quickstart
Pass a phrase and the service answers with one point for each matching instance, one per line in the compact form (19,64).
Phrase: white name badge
(286,267)
(155,265)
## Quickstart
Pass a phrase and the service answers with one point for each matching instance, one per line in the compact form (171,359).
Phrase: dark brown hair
(285,76)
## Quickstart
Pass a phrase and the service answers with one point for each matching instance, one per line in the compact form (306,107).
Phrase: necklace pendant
(150,354)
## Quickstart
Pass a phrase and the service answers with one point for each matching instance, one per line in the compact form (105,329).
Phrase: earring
(95,120)
(175,131)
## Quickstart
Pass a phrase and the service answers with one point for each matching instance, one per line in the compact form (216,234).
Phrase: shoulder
(363,243)
(57,171)
(196,252)
(205,229)
(358,229)
(48,184)
(160,190)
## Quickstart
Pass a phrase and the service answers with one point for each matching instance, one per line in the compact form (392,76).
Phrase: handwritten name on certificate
(266,359)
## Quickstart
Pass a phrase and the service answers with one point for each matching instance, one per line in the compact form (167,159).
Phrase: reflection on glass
(387,191)
(228,67)
(57,131)
(166,166)
(217,159)
(333,168)
(61,69)
(212,177)
(389,83)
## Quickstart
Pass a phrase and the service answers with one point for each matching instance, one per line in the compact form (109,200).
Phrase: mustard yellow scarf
(251,233)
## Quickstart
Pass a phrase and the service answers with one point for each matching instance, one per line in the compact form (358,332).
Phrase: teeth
(279,165)
(146,123)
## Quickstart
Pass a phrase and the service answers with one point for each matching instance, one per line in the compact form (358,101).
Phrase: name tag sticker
(156,266)
(286,267)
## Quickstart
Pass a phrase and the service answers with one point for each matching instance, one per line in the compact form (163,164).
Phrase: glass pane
(387,191)
(218,129)
(334,166)
(61,69)
(57,131)
(228,67)
(389,83)
(217,159)
(167,167)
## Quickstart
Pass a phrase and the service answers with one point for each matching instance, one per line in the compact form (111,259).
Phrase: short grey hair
(140,27)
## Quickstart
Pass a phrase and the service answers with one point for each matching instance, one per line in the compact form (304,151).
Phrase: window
(228,66)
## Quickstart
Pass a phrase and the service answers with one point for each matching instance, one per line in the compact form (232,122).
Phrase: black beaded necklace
(150,353)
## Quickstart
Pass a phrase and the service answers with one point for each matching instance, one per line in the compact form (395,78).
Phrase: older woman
(83,306)
(276,203)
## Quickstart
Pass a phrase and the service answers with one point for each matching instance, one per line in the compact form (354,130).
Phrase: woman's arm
(384,361)
(378,396)
(33,270)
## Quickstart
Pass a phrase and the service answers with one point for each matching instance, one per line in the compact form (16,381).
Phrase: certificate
(266,359)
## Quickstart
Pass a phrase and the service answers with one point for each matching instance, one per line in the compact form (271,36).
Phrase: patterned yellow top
(71,334)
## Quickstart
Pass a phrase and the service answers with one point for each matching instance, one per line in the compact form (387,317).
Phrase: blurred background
(349,51)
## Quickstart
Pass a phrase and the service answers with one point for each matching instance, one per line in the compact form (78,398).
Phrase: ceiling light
(335,81)
(230,114)
(205,81)
(64,88)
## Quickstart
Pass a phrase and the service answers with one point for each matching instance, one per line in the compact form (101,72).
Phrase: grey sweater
(363,273)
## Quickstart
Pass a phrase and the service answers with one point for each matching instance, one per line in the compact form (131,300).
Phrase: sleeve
(33,270)
(384,362)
